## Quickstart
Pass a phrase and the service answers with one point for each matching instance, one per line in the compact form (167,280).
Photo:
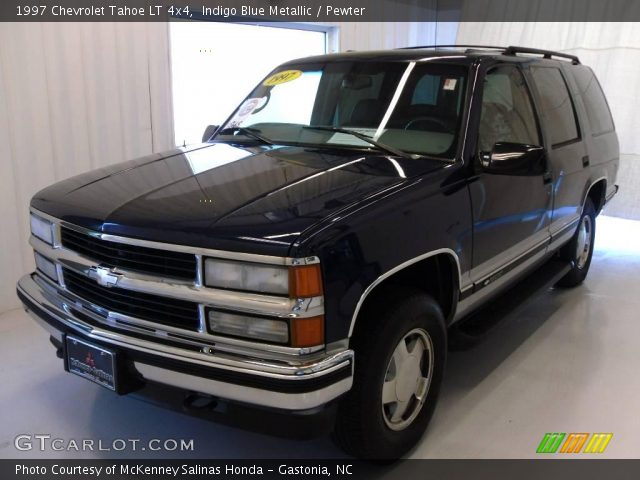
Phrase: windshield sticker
(282,77)
(450,84)
(246,109)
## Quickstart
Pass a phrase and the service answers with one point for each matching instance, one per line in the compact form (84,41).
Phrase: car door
(568,160)
(510,211)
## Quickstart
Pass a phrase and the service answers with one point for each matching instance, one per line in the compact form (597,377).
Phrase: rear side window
(556,104)
(594,100)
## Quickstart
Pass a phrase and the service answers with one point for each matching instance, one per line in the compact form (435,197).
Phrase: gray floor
(566,364)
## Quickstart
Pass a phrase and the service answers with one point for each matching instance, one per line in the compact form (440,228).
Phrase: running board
(471,330)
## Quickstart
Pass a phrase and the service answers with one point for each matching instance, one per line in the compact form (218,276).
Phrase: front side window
(412,107)
(507,114)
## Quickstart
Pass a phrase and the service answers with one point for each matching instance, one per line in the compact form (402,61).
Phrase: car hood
(255,199)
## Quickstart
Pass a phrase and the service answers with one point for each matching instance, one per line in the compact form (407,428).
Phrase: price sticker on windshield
(246,109)
(282,77)
(450,84)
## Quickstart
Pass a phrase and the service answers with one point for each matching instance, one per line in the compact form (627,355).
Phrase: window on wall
(215,65)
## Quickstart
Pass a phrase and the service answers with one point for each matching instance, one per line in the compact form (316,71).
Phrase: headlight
(294,281)
(248,327)
(46,266)
(42,229)
(252,277)
(302,281)
(297,332)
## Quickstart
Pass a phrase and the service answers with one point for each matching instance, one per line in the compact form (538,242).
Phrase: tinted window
(507,113)
(557,105)
(426,91)
(415,107)
(594,100)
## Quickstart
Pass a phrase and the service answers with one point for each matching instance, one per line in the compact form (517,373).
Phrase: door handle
(585,161)
(547,178)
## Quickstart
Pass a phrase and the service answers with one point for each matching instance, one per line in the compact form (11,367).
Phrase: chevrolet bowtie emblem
(104,276)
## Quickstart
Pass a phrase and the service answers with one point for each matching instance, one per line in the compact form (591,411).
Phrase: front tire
(579,250)
(400,353)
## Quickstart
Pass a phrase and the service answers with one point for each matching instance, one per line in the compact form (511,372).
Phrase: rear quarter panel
(603,149)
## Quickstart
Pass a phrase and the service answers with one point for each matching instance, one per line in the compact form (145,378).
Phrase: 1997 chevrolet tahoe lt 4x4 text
(315,251)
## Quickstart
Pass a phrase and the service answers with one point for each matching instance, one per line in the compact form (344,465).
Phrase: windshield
(403,107)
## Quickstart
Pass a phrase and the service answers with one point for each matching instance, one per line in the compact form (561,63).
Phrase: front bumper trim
(281,385)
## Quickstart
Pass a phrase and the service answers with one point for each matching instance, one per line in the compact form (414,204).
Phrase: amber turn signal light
(305,281)
(307,332)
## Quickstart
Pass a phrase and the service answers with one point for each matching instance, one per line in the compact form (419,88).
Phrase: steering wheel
(433,124)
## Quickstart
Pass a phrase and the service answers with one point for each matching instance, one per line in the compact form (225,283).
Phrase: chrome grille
(131,257)
(153,308)
(145,285)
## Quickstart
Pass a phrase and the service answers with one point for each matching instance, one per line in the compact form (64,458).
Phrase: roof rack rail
(490,47)
(511,50)
(545,53)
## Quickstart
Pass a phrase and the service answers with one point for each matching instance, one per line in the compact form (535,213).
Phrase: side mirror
(208,132)
(514,159)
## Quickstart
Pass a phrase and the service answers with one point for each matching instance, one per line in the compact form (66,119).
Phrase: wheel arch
(597,192)
(444,286)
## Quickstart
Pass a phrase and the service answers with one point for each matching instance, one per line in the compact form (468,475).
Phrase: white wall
(385,35)
(73,97)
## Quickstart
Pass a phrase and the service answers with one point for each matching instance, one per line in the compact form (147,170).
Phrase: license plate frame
(91,362)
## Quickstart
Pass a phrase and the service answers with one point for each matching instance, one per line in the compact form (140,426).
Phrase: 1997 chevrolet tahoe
(316,250)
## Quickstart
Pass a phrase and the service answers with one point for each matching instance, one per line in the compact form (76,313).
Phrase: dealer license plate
(92,362)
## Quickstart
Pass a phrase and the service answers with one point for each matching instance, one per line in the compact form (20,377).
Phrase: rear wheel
(579,250)
(400,351)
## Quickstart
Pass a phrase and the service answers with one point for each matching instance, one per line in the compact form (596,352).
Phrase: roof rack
(511,50)
(489,47)
(545,53)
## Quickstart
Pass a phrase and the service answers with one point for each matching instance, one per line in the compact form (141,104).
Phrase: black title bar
(341,469)
(322,11)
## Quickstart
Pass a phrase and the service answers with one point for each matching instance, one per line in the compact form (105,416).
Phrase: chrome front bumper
(288,384)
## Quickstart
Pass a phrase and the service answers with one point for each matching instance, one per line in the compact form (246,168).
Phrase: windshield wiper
(246,131)
(362,136)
